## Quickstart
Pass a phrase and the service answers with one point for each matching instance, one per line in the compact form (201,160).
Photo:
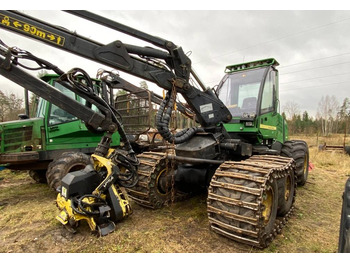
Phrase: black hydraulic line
(92,212)
(88,93)
(146,51)
(163,118)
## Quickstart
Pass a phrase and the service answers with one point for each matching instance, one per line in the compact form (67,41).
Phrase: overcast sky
(312,47)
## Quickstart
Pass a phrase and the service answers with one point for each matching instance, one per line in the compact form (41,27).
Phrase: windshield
(240,91)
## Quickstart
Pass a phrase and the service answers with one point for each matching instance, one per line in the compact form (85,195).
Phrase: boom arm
(170,69)
(49,93)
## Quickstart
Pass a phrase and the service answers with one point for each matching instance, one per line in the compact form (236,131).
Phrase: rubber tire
(347,150)
(157,198)
(244,197)
(344,231)
(285,205)
(62,165)
(269,227)
(298,150)
(38,176)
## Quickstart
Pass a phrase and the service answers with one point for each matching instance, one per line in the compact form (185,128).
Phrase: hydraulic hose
(14,54)
(82,210)
(130,160)
(163,118)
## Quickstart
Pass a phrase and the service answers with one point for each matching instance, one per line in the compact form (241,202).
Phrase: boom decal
(31,30)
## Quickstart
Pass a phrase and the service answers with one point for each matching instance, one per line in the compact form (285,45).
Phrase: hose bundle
(90,208)
(163,118)
(73,76)
(130,160)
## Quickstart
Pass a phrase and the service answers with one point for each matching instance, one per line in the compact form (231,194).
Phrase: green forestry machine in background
(239,152)
(51,134)
(50,142)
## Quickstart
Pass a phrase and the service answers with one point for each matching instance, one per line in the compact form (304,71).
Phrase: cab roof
(251,65)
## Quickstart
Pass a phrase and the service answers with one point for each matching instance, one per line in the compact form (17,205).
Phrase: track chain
(146,192)
(235,198)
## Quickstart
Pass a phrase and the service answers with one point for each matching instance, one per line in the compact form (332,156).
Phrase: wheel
(38,176)
(286,193)
(160,185)
(270,204)
(299,151)
(62,165)
(242,199)
(154,186)
(156,182)
(344,232)
(347,150)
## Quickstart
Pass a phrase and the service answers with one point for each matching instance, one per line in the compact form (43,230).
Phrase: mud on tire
(62,165)
(299,151)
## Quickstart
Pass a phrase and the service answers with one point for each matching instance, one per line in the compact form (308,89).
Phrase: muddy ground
(28,224)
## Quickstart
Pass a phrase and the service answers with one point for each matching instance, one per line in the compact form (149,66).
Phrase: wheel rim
(268,203)
(76,167)
(287,189)
(160,188)
(305,164)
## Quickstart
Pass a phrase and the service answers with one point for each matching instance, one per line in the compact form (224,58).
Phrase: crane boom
(170,68)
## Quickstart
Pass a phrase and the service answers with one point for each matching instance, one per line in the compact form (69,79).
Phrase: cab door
(268,117)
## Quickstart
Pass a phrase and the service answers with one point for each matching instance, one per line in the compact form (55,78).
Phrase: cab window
(267,100)
(58,115)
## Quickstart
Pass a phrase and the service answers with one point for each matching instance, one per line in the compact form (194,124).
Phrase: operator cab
(250,89)
(250,92)
(57,115)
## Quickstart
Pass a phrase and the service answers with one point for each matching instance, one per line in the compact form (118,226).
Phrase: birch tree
(328,108)
(291,109)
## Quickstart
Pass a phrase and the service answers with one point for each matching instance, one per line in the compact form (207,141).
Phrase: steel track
(235,199)
(147,192)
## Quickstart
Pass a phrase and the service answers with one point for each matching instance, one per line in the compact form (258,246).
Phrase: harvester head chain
(146,192)
(236,194)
